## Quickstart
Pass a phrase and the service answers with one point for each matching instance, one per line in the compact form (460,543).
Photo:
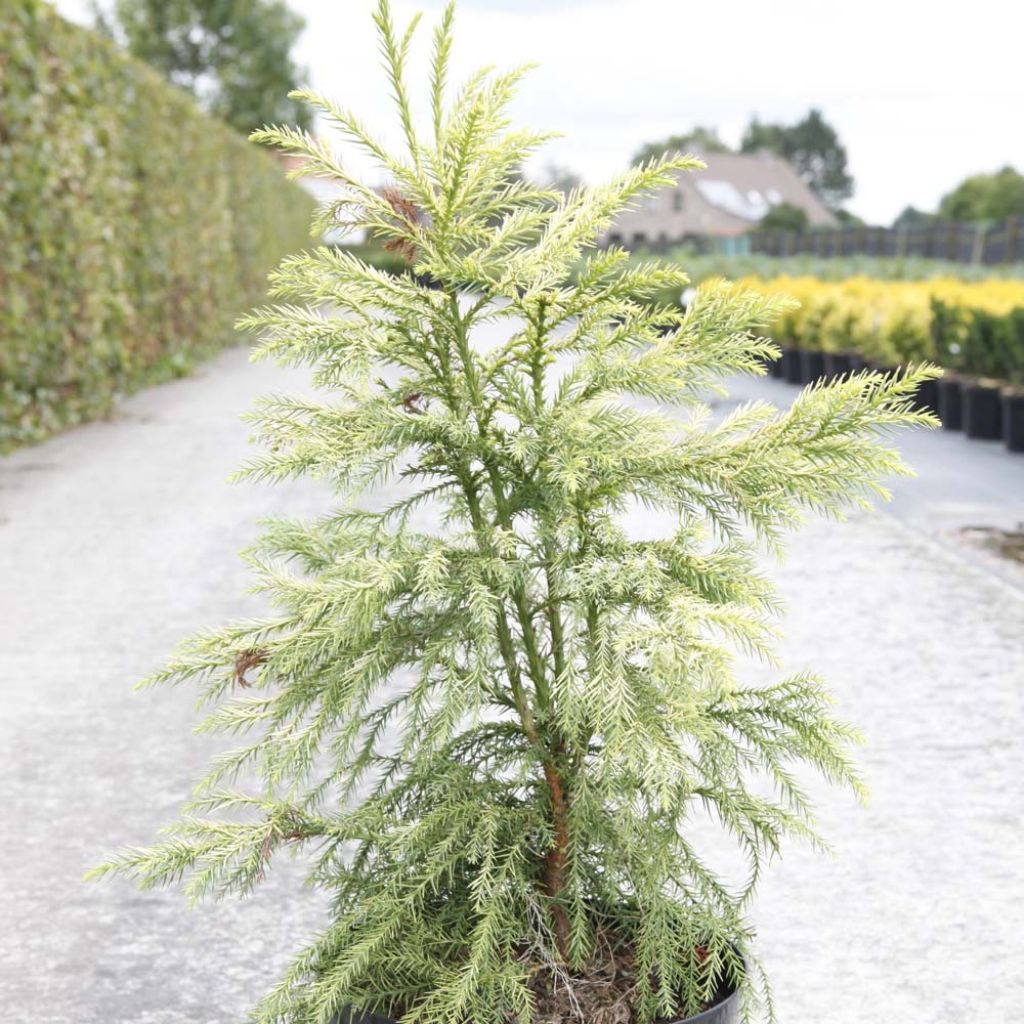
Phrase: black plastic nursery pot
(876,367)
(1013,420)
(775,368)
(927,397)
(812,366)
(792,365)
(951,402)
(983,410)
(839,364)
(725,1010)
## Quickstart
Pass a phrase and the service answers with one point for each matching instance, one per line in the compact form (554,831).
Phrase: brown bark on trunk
(554,861)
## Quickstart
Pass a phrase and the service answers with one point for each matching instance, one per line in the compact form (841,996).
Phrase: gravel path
(118,538)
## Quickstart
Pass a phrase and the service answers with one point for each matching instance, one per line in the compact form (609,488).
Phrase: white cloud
(919,98)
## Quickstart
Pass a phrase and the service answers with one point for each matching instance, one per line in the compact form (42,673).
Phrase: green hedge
(133,228)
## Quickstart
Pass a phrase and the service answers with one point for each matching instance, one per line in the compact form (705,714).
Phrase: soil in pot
(812,366)
(1013,419)
(983,410)
(603,995)
(951,403)
(792,370)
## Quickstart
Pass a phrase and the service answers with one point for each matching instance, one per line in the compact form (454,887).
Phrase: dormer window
(677,200)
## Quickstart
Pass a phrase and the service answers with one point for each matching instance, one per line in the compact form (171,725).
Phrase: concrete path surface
(119,538)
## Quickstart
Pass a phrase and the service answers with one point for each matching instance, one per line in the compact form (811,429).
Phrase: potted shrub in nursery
(1012,329)
(489,710)
(949,328)
(981,389)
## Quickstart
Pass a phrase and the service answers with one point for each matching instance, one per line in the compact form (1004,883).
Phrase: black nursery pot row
(983,409)
(806,366)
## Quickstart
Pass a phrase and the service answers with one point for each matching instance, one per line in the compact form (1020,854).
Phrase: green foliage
(785,217)
(126,247)
(848,219)
(377,256)
(979,342)
(985,197)
(701,140)
(813,148)
(493,715)
(233,55)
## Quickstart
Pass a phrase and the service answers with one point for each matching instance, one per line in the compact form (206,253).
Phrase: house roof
(728,197)
(748,185)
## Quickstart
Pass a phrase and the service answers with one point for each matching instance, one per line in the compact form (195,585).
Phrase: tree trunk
(554,861)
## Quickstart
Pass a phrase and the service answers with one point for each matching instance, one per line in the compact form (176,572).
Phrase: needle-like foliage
(494,714)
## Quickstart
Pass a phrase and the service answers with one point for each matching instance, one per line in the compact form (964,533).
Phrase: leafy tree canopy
(813,148)
(234,55)
(699,139)
(848,219)
(785,217)
(985,197)
(912,217)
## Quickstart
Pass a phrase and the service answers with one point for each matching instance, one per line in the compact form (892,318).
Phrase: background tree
(812,146)
(985,197)
(785,217)
(848,219)
(699,140)
(560,178)
(234,55)
(912,217)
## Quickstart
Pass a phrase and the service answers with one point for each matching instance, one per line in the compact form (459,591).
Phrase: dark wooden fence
(962,243)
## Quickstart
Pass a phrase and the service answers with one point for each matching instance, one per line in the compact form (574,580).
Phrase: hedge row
(133,228)
(976,328)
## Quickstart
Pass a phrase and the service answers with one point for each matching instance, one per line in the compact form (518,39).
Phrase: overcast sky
(920,98)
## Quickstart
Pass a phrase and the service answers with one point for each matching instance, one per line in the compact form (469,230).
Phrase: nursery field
(116,539)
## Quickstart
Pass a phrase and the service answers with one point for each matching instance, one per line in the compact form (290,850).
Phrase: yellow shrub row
(887,321)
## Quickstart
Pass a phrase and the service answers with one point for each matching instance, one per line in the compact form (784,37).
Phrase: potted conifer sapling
(487,709)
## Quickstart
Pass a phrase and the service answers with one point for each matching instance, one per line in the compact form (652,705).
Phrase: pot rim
(708,1014)
(347,1016)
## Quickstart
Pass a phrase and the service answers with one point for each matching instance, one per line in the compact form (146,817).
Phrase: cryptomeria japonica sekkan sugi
(491,713)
